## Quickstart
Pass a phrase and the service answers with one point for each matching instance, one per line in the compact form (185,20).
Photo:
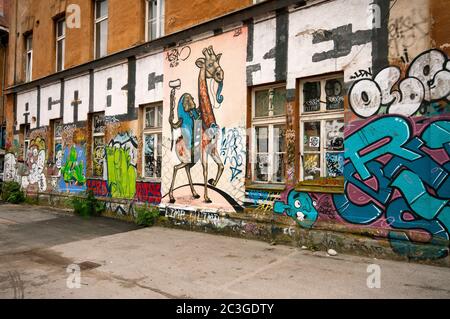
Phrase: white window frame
(322,116)
(61,39)
(270,122)
(160,14)
(94,135)
(98,21)
(29,58)
(155,131)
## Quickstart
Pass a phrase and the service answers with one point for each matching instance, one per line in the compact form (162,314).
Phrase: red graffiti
(99,187)
(148,192)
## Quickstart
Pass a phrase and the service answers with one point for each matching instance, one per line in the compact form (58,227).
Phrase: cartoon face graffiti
(10,167)
(35,164)
(299,207)
(432,69)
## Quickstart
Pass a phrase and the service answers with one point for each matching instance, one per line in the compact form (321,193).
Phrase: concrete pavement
(119,260)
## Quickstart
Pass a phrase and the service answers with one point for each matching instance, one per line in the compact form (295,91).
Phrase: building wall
(396,98)
(197,11)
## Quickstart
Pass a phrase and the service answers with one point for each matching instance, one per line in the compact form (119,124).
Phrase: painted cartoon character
(300,207)
(35,164)
(199,129)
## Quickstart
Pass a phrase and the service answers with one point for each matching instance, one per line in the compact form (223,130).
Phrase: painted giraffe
(199,130)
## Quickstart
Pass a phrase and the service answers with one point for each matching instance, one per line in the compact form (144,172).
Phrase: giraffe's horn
(206,53)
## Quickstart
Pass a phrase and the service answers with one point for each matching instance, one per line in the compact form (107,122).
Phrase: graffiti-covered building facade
(282,120)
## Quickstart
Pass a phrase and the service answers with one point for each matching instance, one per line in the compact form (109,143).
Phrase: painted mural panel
(121,162)
(73,165)
(262,45)
(149,79)
(76,99)
(51,106)
(26,109)
(110,87)
(203,145)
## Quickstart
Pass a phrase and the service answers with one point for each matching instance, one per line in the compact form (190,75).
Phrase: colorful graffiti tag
(427,81)
(73,170)
(146,192)
(402,172)
(233,152)
(121,159)
(398,176)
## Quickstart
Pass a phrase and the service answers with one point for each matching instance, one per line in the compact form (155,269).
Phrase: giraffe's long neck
(208,117)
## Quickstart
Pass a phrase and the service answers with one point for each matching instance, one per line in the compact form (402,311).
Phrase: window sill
(322,185)
(265,187)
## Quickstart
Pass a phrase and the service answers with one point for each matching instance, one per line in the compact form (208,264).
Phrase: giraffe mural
(199,129)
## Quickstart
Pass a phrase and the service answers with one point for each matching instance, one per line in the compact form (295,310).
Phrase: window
(98,144)
(60,44)
(152,141)
(322,128)
(269,131)
(26,140)
(101,28)
(154,22)
(57,141)
(29,58)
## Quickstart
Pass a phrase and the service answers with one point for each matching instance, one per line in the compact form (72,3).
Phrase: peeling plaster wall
(262,50)
(321,41)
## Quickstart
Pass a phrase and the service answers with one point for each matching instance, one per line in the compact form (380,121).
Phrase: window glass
(101,8)
(262,156)
(335,135)
(322,134)
(334,94)
(311,96)
(279,140)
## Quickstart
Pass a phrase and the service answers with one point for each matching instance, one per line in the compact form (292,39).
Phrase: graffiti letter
(397,135)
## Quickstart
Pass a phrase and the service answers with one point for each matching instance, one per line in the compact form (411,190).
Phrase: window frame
(26,140)
(148,131)
(29,58)
(322,116)
(96,135)
(56,139)
(160,17)
(97,55)
(61,39)
(270,121)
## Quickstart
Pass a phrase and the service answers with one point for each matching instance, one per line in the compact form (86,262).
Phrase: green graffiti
(121,172)
(73,169)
